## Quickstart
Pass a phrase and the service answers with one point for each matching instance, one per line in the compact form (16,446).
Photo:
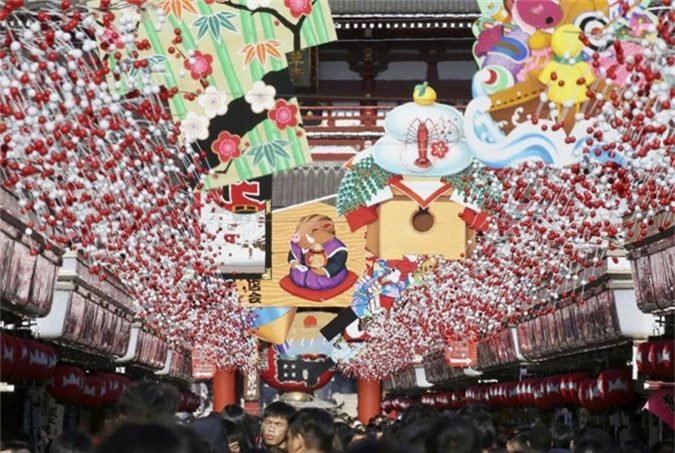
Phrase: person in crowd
(376,428)
(562,436)
(539,438)
(371,446)
(149,402)
(594,440)
(239,428)
(344,433)
(72,442)
(630,449)
(15,443)
(311,431)
(154,438)
(485,427)
(592,446)
(665,446)
(517,443)
(454,434)
(362,434)
(211,430)
(418,411)
(274,426)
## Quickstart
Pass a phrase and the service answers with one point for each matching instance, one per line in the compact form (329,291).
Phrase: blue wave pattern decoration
(496,150)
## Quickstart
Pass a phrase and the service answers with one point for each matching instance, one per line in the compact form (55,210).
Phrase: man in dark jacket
(211,429)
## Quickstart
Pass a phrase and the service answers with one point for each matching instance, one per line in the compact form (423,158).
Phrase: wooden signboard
(315,260)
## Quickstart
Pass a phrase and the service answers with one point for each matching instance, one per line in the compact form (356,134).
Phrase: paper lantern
(37,361)
(94,392)
(616,387)
(661,358)
(8,353)
(540,397)
(582,391)
(301,373)
(573,383)
(553,390)
(113,387)
(642,358)
(20,359)
(458,399)
(590,397)
(189,402)
(66,384)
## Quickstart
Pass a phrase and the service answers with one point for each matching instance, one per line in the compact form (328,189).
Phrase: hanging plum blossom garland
(104,173)
(551,227)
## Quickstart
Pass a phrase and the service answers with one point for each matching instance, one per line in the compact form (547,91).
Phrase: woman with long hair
(240,429)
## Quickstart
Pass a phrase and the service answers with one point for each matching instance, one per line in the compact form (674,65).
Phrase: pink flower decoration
(226,146)
(439,149)
(201,67)
(284,114)
(299,7)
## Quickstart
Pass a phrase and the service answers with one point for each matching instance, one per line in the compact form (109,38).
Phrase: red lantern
(583,397)
(94,392)
(539,390)
(642,358)
(661,358)
(616,387)
(302,373)
(41,361)
(511,394)
(553,390)
(189,402)
(574,382)
(20,366)
(458,399)
(590,397)
(67,384)
(8,354)
(113,386)
(529,392)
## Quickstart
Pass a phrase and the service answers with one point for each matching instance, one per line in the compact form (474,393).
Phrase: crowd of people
(146,423)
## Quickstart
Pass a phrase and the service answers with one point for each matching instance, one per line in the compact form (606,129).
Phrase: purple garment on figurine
(336,252)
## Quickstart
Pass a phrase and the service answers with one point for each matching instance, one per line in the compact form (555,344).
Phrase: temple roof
(311,182)
(423,7)
(447,8)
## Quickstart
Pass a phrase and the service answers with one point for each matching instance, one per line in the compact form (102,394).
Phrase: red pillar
(224,389)
(369,400)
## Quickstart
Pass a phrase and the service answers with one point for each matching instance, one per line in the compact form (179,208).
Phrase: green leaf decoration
(421,89)
(213,23)
(360,185)
(224,19)
(270,157)
(271,152)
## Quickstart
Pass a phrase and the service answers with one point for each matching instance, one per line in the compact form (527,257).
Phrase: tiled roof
(307,183)
(403,6)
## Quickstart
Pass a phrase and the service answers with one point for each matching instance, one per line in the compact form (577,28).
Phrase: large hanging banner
(316,260)
(226,61)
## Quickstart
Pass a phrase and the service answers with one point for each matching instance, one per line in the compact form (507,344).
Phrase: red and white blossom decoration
(100,168)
